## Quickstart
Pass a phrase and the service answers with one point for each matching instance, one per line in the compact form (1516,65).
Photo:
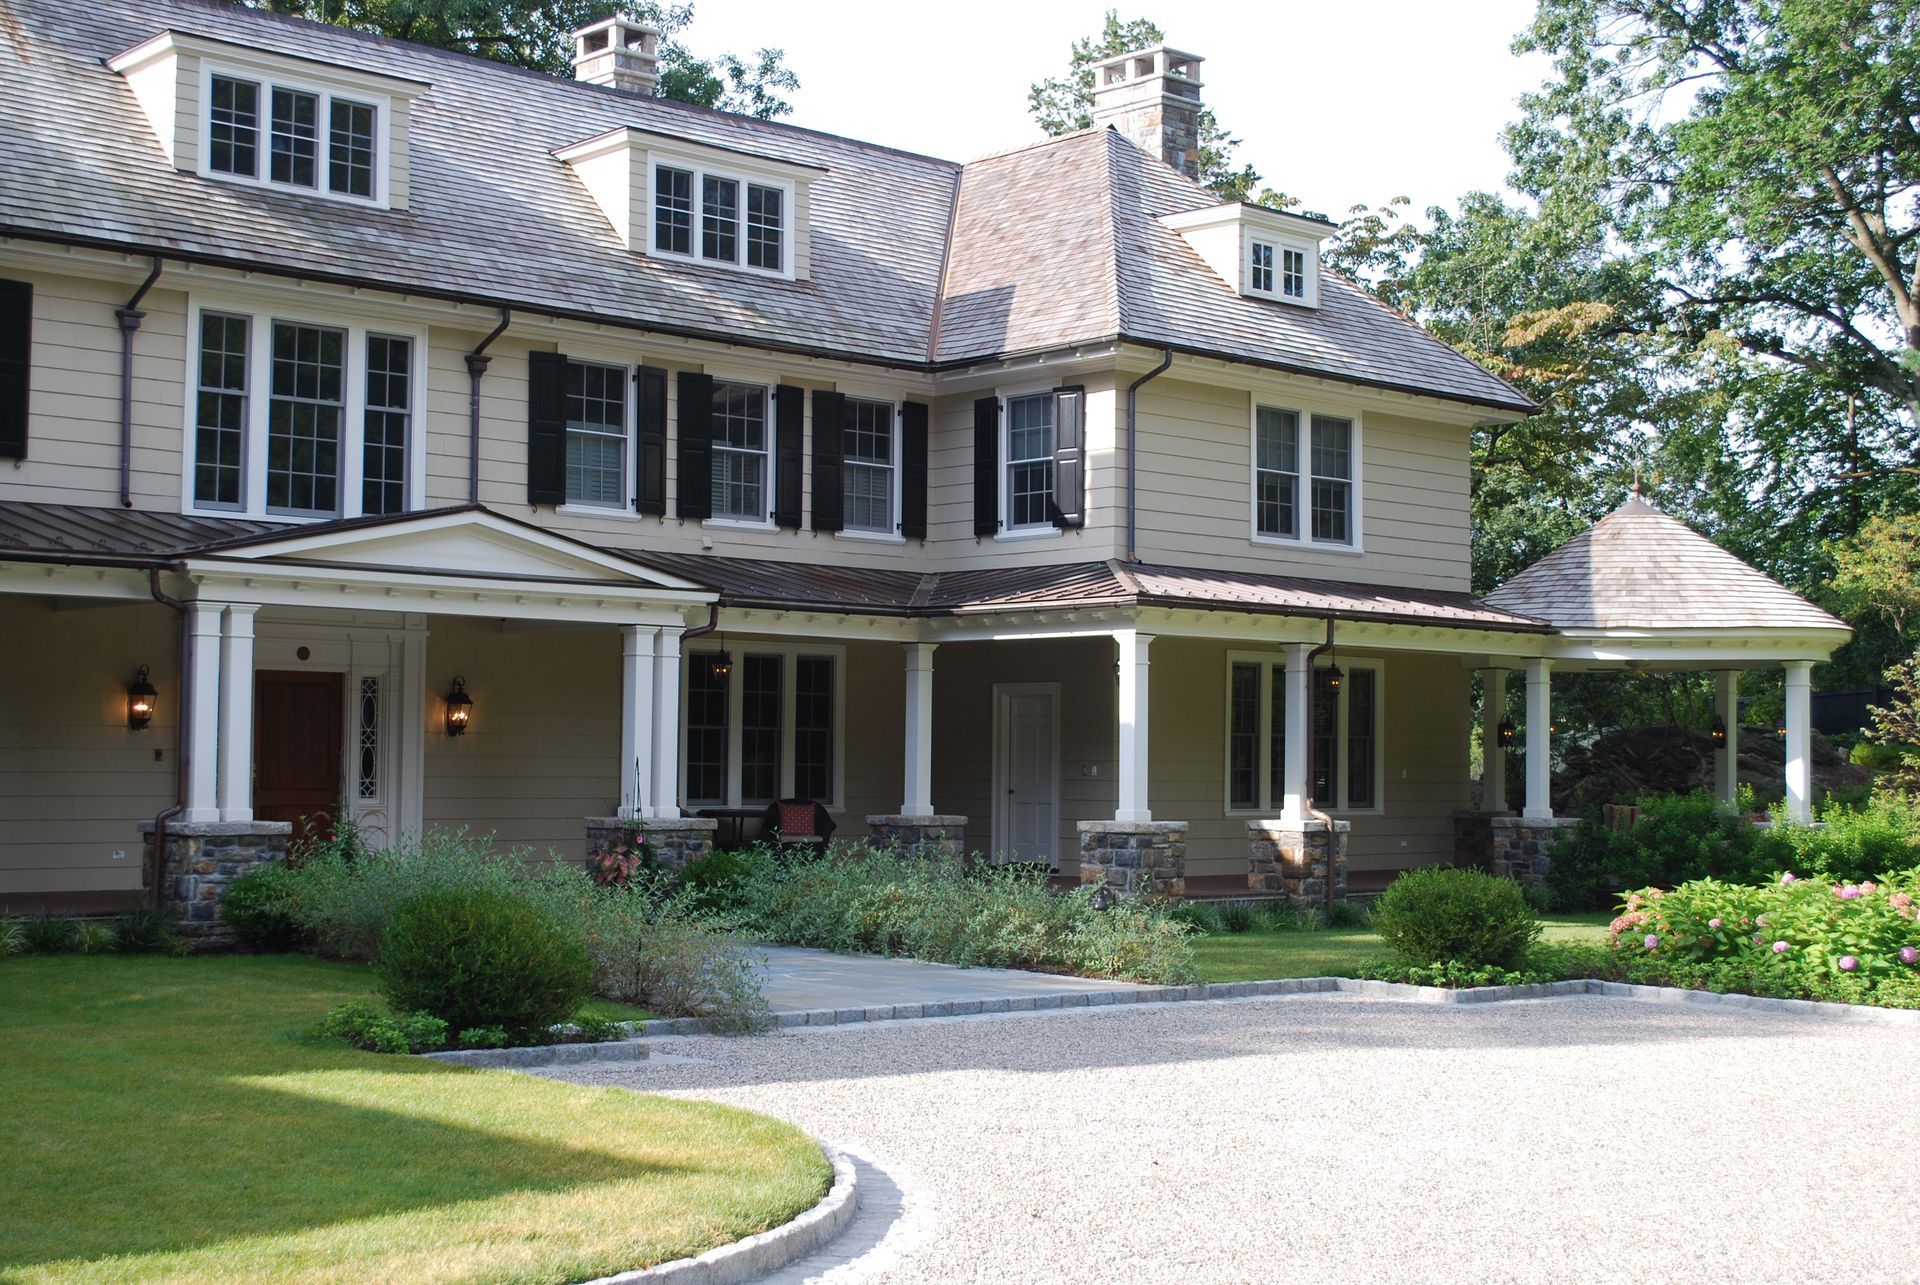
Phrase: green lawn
(165,1120)
(1334,952)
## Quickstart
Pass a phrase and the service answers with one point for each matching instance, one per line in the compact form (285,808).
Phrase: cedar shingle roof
(1047,247)
(1637,568)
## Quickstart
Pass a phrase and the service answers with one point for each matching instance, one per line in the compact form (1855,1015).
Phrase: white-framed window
(1347,763)
(1027,487)
(742,451)
(301,416)
(870,467)
(764,726)
(1260,266)
(596,408)
(1293,274)
(1277,267)
(718,217)
(1305,469)
(287,133)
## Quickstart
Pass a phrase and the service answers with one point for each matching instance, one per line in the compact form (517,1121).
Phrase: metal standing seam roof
(1046,247)
(1637,568)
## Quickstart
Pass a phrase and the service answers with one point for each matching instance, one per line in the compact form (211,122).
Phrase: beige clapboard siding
(1195,500)
(874,681)
(74,781)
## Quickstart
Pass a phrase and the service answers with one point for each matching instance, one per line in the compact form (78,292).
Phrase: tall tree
(536,34)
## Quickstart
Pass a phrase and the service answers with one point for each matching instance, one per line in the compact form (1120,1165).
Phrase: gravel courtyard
(1335,1138)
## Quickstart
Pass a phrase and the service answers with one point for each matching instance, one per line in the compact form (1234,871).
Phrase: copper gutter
(130,318)
(477,363)
(1133,453)
(1312,809)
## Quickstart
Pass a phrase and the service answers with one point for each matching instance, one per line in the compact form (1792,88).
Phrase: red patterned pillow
(796,821)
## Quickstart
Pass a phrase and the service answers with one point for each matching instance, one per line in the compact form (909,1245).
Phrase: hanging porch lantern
(1504,731)
(141,700)
(722,664)
(459,708)
(1719,733)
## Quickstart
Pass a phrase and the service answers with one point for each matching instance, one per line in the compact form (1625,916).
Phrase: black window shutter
(1069,457)
(16,365)
(695,499)
(650,458)
(829,448)
(546,428)
(789,452)
(986,466)
(913,470)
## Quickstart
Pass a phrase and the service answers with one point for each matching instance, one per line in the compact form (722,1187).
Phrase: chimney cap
(1146,64)
(619,51)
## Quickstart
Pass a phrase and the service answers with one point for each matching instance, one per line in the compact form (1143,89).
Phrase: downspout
(130,318)
(183,750)
(1312,809)
(713,623)
(1133,456)
(477,363)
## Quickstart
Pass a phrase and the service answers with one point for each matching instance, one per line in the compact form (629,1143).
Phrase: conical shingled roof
(1637,568)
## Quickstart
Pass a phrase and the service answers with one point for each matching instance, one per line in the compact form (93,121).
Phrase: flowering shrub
(1792,936)
(619,857)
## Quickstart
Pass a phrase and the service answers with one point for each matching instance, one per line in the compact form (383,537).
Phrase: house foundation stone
(1522,847)
(675,840)
(1473,839)
(200,860)
(1135,858)
(926,836)
(1295,859)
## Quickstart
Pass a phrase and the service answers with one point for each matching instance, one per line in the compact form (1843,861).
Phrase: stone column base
(201,859)
(1473,839)
(924,836)
(1135,858)
(675,840)
(1523,846)
(1291,858)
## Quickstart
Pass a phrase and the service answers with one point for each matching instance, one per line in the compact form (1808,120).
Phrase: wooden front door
(297,728)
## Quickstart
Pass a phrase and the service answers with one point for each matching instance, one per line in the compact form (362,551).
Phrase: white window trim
(253,455)
(742,175)
(765,521)
(1268,662)
(1008,531)
(268,81)
(896,418)
(1303,510)
(1309,252)
(739,648)
(629,396)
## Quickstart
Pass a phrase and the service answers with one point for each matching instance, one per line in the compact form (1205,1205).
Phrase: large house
(396,435)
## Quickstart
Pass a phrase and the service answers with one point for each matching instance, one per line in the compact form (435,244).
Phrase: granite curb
(768,1251)
(538,1055)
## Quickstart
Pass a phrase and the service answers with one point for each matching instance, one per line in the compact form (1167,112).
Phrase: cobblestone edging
(768,1251)
(629,1050)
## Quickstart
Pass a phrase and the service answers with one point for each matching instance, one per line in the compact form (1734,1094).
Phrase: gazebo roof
(1639,570)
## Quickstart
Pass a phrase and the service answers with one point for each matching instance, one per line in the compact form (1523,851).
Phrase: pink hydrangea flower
(1652,941)
(1787,877)
(1849,893)
(1868,888)
(1714,922)
(1909,955)
(1848,963)
(1655,893)
(1760,921)
(1780,948)
(1634,900)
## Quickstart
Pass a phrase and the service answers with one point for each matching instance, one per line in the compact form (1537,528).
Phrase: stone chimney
(620,52)
(1153,97)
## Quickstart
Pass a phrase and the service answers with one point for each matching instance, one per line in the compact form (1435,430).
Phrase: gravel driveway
(1336,1138)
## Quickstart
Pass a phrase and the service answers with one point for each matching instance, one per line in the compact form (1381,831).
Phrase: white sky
(1336,103)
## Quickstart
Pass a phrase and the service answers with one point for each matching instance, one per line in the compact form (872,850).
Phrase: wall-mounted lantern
(1719,733)
(1505,733)
(459,708)
(141,700)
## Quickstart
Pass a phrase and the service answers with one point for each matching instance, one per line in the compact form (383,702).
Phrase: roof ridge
(1052,140)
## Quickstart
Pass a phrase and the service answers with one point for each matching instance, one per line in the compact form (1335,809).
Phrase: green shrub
(91,937)
(366,1027)
(715,883)
(13,937)
(483,1037)
(591,1028)
(1850,843)
(146,931)
(1439,915)
(1238,916)
(1678,837)
(480,956)
(666,957)
(1199,916)
(46,935)
(1133,941)
(258,907)
(1349,914)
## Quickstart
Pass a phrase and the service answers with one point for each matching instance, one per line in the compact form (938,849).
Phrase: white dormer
(681,201)
(240,114)
(1261,253)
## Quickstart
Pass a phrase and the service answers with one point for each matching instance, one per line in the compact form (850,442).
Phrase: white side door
(1027,772)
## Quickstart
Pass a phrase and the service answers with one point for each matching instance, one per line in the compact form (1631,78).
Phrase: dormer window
(1258,252)
(1293,274)
(1262,268)
(753,237)
(299,151)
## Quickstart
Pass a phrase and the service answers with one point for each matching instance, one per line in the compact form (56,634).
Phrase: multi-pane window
(672,210)
(813,728)
(220,415)
(867,467)
(1293,274)
(760,729)
(1029,461)
(1261,268)
(1276,733)
(719,218)
(1276,471)
(740,449)
(764,222)
(596,434)
(707,691)
(1332,479)
(294,143)
(1343,729)
(388,423)
(305,412)
(233,127)
(1361,686)
(1243,736)
(351,148)
(1324,730)
(369,738)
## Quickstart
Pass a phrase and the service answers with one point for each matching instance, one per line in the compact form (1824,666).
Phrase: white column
(412,707)
(1799,740)
(636,720)
(1293,778)
(1493,757)
(917,792)
(202,712)
(1136,740)
(236,713)
(1726,758)
(666,726)
(1539,740)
